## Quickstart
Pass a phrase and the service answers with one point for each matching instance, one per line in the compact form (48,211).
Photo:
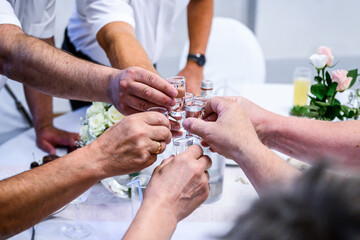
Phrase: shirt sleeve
(7,14)
(101,12)
(43,19)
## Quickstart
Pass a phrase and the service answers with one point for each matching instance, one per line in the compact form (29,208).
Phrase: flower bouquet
(99,117)
(323,103)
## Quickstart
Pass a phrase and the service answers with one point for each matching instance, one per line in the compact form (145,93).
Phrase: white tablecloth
(110,216)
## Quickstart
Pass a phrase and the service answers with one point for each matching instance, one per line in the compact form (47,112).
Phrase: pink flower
(340,76)
(322,50)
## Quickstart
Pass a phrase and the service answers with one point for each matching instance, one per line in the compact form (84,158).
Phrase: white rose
(114,115)
(318,60)
(95,108)
(97,125)
(84,133)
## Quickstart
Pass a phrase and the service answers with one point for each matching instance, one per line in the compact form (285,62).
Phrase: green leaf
(321,104)
(318,90)
(353,73)
(328,78)
(332,89)
(318,79)
(332,112)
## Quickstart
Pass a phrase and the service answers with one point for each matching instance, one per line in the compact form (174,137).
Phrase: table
(110,216)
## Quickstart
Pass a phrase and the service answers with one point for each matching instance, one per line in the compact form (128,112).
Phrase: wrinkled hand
(228,131)
(135,90)
(258,116)
(193,75)
(49,137)
(132,144)
(180,183)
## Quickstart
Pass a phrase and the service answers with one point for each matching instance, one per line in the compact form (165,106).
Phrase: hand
(193,74)
(48,137)
(228,131)
(180,183)
(132,144)
(135,90)
(260,118)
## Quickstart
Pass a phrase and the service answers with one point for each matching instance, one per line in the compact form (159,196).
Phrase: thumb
(196,126)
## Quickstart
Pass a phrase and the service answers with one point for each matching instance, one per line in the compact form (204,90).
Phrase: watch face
(201,60)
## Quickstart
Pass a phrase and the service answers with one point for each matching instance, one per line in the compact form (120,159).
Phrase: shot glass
(161,110)
(194,108)
(137,187)
(180,144)
(179,83)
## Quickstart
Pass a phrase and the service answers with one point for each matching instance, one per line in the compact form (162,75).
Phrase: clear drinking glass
(302,81)
(216,172)
(203,99)
(194,108)
(138,185)
(78,230)
(159,110)
(180,144)
(177,111)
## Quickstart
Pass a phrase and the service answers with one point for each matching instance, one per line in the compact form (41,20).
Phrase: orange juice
(301,91)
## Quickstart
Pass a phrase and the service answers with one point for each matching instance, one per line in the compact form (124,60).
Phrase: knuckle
(144,105)
(130,72)
(124,84)
(151,79)
(147,92)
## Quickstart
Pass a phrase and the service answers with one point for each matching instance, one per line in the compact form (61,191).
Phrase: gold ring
(159,148)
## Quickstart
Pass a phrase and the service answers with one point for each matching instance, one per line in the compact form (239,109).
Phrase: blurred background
(288,33)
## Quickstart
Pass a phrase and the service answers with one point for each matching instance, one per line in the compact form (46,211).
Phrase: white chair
(233,55)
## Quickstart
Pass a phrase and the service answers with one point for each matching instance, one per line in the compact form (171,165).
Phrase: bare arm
(122,48)
(199,18)
(40,104)
(314,140)
(306,139)
(47,69)
(28,197)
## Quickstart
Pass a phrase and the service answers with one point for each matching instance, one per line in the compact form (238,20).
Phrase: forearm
(314,140)
(31,196)
(47,69)
(122,48)
(40,106)
(264,168)
(152,222)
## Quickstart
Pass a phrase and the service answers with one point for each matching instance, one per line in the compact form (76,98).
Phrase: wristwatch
(198,58)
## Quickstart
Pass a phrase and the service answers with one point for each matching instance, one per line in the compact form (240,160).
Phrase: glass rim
(175,79)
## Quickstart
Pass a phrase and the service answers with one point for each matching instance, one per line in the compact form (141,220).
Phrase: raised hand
(135,90)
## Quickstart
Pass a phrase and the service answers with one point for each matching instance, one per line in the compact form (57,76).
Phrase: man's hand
(135,90)
(177,187)
(193,74)
(132,144)
(228,131)
(49,137)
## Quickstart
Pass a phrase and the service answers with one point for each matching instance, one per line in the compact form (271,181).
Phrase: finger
(207,175)
(156,82)
(155,119)
(164,163)
(205,162)
(129,111)
(47,147)
(160,133)
(150,94)
(140,104)
(197,126)
(157,147)
(215,105)
(212,117)
(194,151)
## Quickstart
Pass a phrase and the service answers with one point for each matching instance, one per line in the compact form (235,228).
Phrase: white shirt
(153,21)
(35,17)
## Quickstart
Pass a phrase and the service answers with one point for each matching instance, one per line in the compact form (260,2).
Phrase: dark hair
(320,205)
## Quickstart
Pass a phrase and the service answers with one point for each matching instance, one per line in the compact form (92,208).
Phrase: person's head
(319,205)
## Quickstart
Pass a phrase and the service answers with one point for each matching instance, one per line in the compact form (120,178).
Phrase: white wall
(294,29)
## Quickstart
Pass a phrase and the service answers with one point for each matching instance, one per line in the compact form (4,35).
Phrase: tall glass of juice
(302,81)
